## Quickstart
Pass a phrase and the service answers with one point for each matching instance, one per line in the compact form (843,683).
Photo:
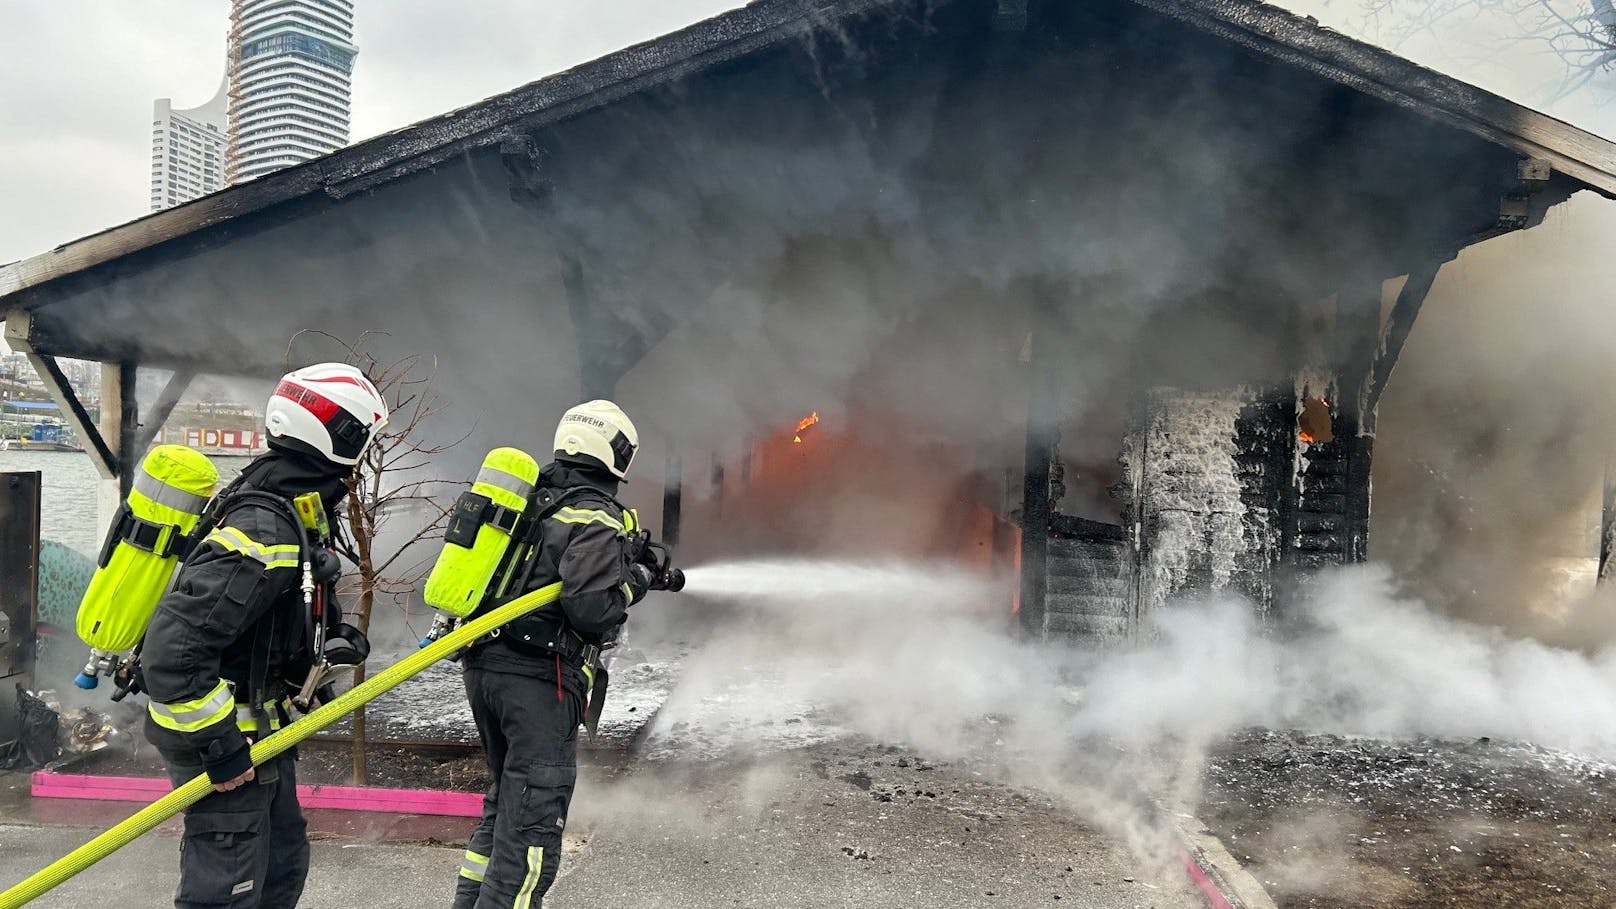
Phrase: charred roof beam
(1394,334)
(1522,205)
(525,163)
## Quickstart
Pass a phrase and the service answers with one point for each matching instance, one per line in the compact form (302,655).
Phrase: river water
(69,491)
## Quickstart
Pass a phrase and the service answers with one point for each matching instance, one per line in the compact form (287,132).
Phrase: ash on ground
(432,707)
(1327,821)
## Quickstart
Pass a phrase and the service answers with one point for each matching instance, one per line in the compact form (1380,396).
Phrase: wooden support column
(672,494)
(120,420)
(19,590)
(1363,345)
(1035,504)
(1607,524)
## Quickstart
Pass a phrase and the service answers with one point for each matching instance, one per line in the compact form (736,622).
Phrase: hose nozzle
(671,580)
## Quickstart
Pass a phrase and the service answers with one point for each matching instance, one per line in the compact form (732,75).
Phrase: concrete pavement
(832,826)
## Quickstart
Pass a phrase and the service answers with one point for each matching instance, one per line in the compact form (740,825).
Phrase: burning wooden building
(1105,291)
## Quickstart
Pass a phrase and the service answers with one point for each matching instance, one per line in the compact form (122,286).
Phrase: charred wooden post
(1607,525)
(1035,519)
(1035,504)
(19,589)
(1362,343)
(128,425)
(672,495)
(1265,451)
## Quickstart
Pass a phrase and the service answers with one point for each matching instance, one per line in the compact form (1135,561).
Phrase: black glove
(640,577)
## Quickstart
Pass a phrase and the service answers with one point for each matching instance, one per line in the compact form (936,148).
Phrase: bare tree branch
(1581,34)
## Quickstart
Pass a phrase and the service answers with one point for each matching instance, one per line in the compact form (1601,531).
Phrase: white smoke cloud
(910,660)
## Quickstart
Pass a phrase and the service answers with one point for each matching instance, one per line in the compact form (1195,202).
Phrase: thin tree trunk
(361,768)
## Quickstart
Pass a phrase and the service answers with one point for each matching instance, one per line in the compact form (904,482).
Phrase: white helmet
(600,432)
(330,410)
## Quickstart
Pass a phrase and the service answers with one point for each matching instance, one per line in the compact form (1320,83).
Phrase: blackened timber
(1372,350)
(163,408)
(1035,506)
(524,159)
(61,391)
(1265,440)
(672,496)
(1607,525)
(1359,492)
(128,428)
(1396,331)
(19,589)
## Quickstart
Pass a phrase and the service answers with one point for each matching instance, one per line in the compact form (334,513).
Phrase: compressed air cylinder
(479,531)
(145,544)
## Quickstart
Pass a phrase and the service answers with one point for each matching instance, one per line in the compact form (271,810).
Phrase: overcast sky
(78,78)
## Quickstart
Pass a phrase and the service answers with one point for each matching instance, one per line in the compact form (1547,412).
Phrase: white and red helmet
(329,410)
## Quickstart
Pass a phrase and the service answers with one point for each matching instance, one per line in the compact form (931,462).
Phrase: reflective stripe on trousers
(474,865)
(535,867)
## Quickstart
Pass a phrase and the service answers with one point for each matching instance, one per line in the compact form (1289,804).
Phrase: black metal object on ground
(19,589)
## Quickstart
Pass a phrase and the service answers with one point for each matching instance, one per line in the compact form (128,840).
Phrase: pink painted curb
(342,798)
(1209,889)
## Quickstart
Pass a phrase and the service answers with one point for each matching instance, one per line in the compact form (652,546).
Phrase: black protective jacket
(242,581)
(585,545)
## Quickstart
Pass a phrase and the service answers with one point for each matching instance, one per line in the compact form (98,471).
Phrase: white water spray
(782,582)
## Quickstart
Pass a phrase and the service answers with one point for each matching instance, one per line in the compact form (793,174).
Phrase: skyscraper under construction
(291,67)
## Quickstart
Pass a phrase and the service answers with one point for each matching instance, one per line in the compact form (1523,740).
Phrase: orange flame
(1316,409)
(803,424)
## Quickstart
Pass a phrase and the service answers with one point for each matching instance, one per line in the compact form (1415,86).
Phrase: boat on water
(47,436)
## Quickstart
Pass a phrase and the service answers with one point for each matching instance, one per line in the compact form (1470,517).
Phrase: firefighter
(230,642)
(528,682)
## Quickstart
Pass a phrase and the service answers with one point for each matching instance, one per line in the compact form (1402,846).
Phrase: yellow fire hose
(192,792)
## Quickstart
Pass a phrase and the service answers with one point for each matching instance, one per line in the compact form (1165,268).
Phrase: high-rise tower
(188,151)
(291,66)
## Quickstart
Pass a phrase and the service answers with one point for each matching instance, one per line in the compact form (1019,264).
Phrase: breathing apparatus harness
(334,646)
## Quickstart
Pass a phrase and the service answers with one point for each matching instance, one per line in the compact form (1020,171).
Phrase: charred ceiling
(1266,158)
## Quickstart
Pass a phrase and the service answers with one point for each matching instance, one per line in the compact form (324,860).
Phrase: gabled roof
(1259,28)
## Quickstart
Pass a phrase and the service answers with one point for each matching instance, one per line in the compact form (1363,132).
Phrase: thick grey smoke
(1496,431)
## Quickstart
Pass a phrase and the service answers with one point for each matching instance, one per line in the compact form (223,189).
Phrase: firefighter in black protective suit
(232,642)
(528,683)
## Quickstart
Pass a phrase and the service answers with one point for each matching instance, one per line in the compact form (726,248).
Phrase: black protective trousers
(247,848)
(529,731)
